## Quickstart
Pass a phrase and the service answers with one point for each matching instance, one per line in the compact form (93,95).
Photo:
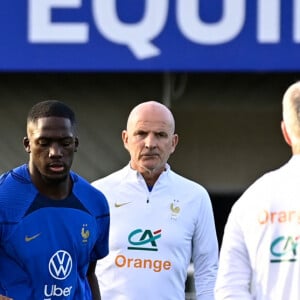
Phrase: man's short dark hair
(51,108)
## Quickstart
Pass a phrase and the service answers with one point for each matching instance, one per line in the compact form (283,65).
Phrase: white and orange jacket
(260,253)
(153,237)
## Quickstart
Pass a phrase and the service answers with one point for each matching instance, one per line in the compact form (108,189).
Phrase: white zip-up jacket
(260,251)
(153,237)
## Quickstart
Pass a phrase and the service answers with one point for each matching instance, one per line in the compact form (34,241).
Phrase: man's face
(150,140)
(51,143)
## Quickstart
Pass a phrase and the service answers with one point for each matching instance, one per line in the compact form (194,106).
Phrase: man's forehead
(51,119)
(54,126)
(151,125)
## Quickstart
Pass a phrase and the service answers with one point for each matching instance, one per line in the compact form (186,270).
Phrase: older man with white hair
(260,257)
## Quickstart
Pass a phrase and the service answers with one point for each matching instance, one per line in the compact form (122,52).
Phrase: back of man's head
(291,113)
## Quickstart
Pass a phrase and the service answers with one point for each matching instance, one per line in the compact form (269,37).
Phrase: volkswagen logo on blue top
(60,265)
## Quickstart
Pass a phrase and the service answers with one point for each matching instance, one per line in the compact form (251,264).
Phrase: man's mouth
(57,168)
(149,154)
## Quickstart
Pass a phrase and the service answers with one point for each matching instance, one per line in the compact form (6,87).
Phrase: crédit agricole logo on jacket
(283,247)
(143,240)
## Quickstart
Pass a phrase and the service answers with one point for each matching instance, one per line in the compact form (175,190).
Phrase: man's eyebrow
(140,131)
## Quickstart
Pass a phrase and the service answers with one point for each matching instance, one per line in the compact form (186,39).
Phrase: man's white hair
(291,113)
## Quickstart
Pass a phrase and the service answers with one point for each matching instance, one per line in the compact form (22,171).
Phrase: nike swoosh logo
(30,238)
(121,204)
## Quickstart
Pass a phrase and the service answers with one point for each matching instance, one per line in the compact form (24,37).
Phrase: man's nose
(150,141)
(55,150)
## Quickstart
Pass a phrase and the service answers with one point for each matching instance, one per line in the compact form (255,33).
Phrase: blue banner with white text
(150,35)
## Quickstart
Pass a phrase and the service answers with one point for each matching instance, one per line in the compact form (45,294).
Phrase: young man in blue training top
(54,225)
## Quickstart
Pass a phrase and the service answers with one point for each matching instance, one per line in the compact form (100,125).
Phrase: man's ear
(26,144)
(76,144)
(175,140)
(125,138)
(285,134)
